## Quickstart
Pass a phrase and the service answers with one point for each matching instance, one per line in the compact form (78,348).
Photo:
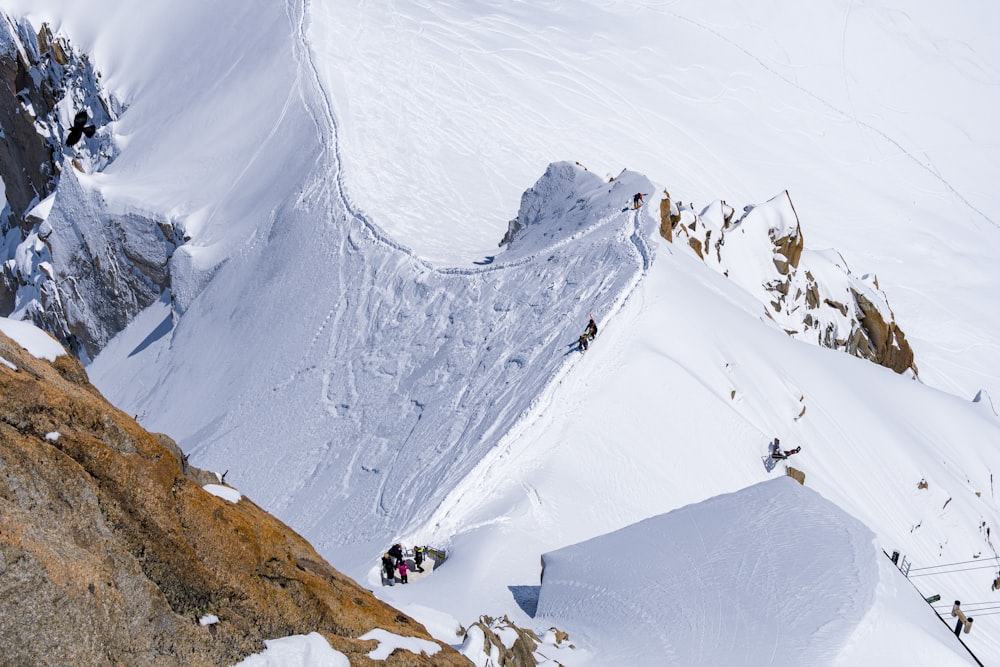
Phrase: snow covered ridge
(811,294)
(70,263)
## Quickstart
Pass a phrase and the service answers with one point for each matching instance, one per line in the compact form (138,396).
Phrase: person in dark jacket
(591,329)
(396,551)
(418,559)
(582,342)
(389,569)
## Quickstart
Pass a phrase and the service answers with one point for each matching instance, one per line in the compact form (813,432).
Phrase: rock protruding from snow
(69,264)
(564,193)
(501,642)
(772,574)
(812,295)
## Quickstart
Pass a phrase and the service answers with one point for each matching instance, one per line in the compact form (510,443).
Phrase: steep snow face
(397,378)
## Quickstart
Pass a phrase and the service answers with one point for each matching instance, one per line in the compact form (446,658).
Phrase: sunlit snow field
(367,394)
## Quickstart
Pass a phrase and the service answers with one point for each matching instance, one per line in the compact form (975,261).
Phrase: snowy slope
(676,404)
(876,116)
(721,583)
(365,394)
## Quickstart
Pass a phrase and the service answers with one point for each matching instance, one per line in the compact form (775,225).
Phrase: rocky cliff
(111,550)
(812,295)
(69,261)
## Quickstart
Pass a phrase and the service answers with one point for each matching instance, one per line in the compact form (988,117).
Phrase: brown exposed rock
(886,342)
(696,246)
(520,653)
(109,553)
(796,474)
(667,220)
(788,248)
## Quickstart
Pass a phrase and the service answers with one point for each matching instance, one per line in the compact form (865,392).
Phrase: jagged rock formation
(111,551)
(69,263)
(501,643)
(812,295)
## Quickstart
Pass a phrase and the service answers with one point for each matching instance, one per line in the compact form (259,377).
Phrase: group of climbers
(394,561)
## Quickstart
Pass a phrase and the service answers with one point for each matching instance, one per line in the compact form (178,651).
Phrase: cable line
(964,569)
(964,562)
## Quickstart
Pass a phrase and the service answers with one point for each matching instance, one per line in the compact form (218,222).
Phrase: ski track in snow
(924,165)
(451,391)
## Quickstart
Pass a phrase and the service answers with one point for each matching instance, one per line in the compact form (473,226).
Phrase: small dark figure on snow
(389,569)
(582,342)
(80,128)
(778,453)
(418,559)
(403,569)
(592,329)
(637,199)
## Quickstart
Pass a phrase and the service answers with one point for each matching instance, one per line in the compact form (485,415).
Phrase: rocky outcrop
(69,263)
(501,643)
(812,295)
(111,550)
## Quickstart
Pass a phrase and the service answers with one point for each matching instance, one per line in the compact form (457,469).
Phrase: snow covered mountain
(369,393)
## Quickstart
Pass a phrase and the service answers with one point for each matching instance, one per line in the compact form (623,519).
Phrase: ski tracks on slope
(490,472)
(315,196)
(929,168)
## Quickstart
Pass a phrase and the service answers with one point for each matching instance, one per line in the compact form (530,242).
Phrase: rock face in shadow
(111,551)
(812,295)
(73,264)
